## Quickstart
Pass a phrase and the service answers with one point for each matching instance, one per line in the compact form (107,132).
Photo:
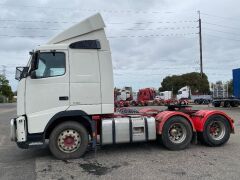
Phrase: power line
(224,26)
(158,28)
(221,17)
(16,36)
(35,21)
(94,10)
(160,22)
(210,29)
(121,36)
(129,29)
(210,35)
(151,35)
(26,28)
(114,23)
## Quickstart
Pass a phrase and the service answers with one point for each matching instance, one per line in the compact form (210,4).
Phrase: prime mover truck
(66,99)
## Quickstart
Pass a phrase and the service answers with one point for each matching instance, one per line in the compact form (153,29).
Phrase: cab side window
(50,64)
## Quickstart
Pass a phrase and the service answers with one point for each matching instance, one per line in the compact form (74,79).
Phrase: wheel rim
(177,133)
(217,130)
(69,141)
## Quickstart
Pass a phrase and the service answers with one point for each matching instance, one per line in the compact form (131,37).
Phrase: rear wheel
(216,104)
(226,104)
(234,104)
(176,133)
(68,140)
(216,131)
(205,101)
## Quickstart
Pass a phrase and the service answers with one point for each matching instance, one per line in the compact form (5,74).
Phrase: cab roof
(91,24)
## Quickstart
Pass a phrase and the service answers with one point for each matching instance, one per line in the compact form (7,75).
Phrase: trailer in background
(165,95)
(221,96)
(185,94)
(236,83)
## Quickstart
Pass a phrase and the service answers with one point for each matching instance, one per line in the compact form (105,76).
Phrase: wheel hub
(217,130)
(174,132)
(69,141)
(177,133)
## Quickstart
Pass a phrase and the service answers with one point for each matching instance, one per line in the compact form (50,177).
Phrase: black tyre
(68,140)
(216,131)
(176,133)
(216,104)
(134,103)
(226,104)
(205,101)
(234,104)
(196,101)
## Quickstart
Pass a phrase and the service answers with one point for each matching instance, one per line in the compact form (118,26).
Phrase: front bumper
(13,135)
(18,134)
(18,130)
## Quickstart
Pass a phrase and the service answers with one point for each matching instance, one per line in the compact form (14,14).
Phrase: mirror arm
(32,74)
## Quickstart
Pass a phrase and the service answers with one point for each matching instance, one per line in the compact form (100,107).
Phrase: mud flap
(194,138)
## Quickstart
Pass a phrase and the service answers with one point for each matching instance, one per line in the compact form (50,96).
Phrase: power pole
(200,43)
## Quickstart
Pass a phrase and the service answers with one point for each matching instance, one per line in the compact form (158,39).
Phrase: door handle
(63,98)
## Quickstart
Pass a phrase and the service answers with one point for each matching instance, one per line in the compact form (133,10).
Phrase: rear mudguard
(162,117)
(200,117)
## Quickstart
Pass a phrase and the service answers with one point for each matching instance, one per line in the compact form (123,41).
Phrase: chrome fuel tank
(128,129)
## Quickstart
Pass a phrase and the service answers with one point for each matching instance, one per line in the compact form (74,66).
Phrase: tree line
(6,93)
(197,84)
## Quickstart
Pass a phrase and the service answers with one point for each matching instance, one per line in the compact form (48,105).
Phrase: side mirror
(21,72)
(33,75)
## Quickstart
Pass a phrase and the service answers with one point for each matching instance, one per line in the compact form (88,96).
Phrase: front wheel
(216,131)
(176,133)
(68,140)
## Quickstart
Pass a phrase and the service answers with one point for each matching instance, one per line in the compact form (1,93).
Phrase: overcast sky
(149,39)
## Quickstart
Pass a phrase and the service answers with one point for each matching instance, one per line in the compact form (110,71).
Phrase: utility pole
(200,43)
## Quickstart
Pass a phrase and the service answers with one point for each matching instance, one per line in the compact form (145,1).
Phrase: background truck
(221,94)
(165,95)
(144,97)
(123,97)
(65,98)
(165,98)
(185,93)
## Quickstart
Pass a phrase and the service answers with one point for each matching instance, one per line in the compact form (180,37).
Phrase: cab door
(47,89)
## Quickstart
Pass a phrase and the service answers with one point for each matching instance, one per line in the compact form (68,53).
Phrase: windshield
(50,64)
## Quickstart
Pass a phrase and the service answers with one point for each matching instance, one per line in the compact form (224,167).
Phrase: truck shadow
(123,149)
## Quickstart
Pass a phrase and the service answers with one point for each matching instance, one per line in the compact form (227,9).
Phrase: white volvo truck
(66,98)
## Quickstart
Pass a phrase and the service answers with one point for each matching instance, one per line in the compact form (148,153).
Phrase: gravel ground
(127,161)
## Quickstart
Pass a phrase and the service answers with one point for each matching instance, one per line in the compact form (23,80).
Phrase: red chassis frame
(197,118)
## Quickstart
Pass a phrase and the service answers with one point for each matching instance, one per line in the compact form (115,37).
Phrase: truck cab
(184,93)
(70,74)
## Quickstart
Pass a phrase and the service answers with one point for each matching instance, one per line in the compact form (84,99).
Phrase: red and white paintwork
(197,118)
